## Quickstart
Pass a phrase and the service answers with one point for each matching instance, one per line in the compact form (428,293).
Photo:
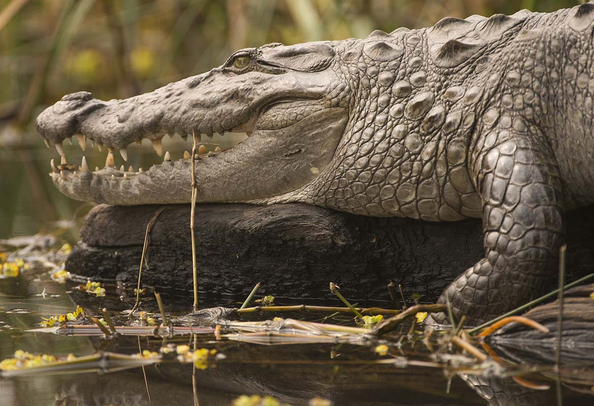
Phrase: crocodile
(476,117)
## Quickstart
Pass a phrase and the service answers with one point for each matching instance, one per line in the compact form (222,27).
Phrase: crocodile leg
(521,189)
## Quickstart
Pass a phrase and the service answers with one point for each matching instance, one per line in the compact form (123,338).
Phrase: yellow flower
(182,349)
(381,349)
(421,316)
(60,276)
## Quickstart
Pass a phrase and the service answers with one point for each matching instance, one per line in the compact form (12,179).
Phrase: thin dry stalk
(306,308)
(107,318)
(530,385)
(100,325)
(390,324)
(250,296)
(513,319)
(475,352)
(195,140)
(165,322)
(562,252)
(148,393)
(143,260)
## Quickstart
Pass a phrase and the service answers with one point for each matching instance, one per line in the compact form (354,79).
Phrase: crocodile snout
(62,120)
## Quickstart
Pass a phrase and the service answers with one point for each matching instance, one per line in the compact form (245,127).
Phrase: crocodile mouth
(263,119)
(268,141)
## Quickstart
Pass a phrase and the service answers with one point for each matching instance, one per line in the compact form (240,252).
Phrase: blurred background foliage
(118,48)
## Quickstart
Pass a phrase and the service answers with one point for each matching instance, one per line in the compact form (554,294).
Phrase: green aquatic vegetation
(12,269)
(371,321)
(93,288)
(63,318)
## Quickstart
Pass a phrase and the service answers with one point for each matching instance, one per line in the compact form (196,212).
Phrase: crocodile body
(482,117)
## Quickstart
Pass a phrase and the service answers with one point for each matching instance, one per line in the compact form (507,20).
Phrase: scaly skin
(480,117)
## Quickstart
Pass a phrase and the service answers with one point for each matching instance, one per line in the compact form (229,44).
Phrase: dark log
(294,250)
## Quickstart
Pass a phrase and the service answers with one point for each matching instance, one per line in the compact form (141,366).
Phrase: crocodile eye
(241,62)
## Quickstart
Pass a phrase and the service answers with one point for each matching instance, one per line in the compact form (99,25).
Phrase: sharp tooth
(109,163)
(59,148)
(124,154)
(158,147)
(138,142)
(53,165)
(96,169)
(70,140)
(167,157)
(47,142)
(81,141)
(112,177)
(140,170)
(62,175)
(186,155)
(92,144)
(122,168)
(99,146)
(217,149)
(131,169)
(202,149)
(249,133)
(125,176)
(84,165)
(63,160)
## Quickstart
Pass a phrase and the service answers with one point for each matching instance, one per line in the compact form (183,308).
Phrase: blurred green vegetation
(117,48)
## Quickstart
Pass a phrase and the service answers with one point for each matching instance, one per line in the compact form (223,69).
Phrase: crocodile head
(284,97)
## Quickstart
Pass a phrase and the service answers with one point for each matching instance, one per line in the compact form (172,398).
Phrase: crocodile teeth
(53,165)
(131,169)
(99,146)
(112,177)
(186,155)
(84,165)
(158,147)
(62,175)
(167,157)
(140,170)
(202,149)
(122,168)
(81,141)
(217,149)
(59,148)
(139,142)
(125,176)
(92,144)
(124,154)
(96,169)
(47,142)
(63,160)
(109,162)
